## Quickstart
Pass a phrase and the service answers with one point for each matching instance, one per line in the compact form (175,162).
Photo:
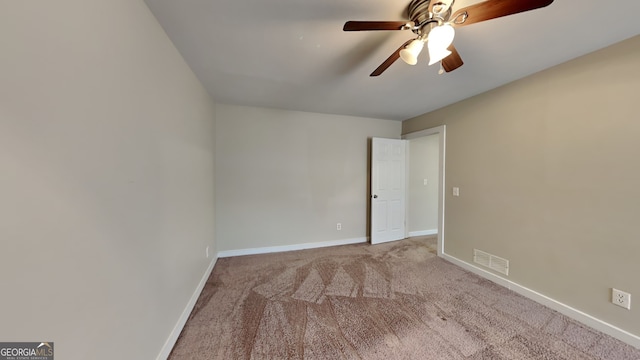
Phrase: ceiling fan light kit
(440,38)
(411,52)
(433,22)
(437,54)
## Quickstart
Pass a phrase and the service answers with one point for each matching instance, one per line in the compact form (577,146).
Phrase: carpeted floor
(389,301)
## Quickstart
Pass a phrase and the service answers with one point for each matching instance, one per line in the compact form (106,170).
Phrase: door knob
(375,196)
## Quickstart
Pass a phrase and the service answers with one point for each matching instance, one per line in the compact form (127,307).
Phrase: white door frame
(441,131)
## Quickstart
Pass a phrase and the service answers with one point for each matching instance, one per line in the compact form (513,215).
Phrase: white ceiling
(293,54)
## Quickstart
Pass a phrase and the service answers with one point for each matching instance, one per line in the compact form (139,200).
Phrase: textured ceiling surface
(293,54)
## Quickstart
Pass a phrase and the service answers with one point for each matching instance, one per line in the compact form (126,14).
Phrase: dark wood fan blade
(492,9)
(390,60)
(377,25)
(452,61)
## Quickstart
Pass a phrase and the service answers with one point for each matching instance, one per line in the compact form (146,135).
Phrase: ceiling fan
(433,21)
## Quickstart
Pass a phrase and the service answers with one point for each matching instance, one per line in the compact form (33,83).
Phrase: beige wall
(286,177)
(422,199)
(548,174)
(106,158)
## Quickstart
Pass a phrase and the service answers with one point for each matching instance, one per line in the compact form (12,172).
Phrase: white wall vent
(491,261)
(482,258)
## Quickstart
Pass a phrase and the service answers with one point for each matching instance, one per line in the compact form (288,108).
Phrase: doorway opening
(421,216)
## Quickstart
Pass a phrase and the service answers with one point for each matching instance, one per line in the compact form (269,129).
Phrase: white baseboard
(575,314)
(423,232)
(272,249)
(173,337)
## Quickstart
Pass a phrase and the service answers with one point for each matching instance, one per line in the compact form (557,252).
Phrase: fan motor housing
(419,12)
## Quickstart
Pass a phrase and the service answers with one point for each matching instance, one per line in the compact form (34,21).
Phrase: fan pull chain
(441,71)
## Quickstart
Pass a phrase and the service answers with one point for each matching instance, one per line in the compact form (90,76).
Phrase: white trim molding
(423,232)
(564,309)
(182,320)
(283,248)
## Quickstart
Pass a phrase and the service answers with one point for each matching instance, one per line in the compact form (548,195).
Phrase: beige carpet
(389,301)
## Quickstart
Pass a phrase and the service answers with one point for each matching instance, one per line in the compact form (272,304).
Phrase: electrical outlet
(456,191)
(206,251)
(338,226)
(621,298)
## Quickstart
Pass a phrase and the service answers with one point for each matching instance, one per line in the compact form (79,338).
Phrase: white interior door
(388,189)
